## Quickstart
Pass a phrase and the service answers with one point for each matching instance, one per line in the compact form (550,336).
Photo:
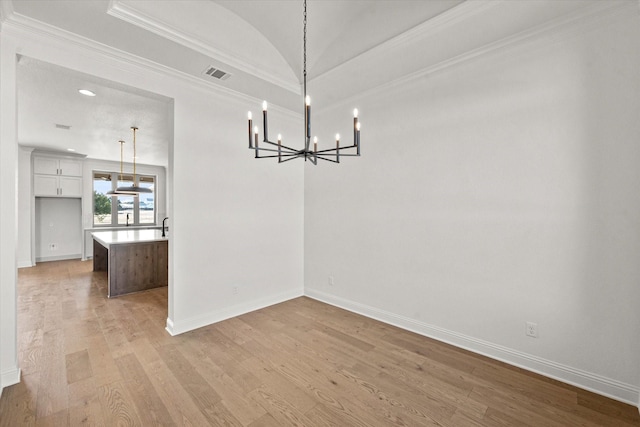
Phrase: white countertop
(119,237)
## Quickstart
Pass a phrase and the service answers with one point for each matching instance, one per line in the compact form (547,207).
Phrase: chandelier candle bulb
(337,148)
(250,127)
(264,120)
(355,127)
(279,148)
(358,138)
(255,129)
(307,114)
(315,144)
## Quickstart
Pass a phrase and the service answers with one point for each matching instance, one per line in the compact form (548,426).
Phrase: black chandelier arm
(329,150)
(284,147)
(285,154)
(337,154)
(326,159)
(289,156)
(274,150)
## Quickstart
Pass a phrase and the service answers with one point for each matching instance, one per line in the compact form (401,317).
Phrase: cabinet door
(46,165)
(70,186)
(45,185)
(70,167)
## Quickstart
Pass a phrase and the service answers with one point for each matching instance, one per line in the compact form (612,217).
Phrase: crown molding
(550,32)
(6,10)
(136,17)
(38,31)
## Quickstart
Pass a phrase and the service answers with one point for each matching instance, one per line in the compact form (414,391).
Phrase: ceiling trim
(39,30)
(550,32)
(136,17)
(6,10)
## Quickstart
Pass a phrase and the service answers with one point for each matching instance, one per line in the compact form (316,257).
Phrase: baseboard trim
(9,377)
(58,258)
(181,326)
(24,264)
(613,389)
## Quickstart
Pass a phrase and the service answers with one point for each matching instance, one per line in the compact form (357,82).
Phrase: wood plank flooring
(88,360)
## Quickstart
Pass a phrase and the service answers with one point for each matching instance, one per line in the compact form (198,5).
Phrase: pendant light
(116,192)
(133,189)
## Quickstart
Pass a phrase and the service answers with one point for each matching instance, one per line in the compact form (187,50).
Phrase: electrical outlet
(234,290)
(330,280)
(531,329)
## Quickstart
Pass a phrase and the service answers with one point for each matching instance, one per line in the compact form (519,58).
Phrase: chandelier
(270,149)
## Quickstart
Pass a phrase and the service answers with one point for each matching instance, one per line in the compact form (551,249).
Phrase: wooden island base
(134,261)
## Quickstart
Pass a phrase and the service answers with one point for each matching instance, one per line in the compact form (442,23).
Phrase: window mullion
(114,200)
(136,205)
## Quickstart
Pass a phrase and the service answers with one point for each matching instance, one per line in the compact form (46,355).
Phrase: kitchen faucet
(127,220)
(163,227)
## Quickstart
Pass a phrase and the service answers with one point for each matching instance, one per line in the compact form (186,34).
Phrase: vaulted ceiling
(353,46)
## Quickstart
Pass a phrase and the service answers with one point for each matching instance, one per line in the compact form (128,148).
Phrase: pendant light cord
(121,154)
(134,154)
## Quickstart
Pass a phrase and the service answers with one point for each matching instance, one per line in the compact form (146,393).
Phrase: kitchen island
(135,260)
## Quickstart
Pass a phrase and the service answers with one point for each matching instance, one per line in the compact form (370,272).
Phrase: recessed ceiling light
(86,92)
(71,149)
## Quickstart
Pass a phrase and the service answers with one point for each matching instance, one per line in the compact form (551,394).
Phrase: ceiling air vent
(216,73)
(65,127)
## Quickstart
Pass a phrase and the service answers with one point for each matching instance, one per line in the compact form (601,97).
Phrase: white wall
(9,370)
(492,193)
(236,222)
(25,256)
(241,219)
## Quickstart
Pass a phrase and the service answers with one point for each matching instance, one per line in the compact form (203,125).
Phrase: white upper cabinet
(57,166)
(57,176)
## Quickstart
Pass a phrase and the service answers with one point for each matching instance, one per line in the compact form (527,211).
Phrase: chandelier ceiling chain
(304,50)
(285,153)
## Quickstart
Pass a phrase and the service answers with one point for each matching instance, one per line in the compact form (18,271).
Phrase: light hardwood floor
(89,360)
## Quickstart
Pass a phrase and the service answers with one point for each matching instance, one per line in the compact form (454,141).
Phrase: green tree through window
(101,205)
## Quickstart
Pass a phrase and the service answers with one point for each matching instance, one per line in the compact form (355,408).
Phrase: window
(147,201)
(122,210)
(101,202)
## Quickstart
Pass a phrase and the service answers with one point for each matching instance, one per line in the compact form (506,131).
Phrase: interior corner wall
(235,218)
(499,191)
(9,369)
(24,255)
